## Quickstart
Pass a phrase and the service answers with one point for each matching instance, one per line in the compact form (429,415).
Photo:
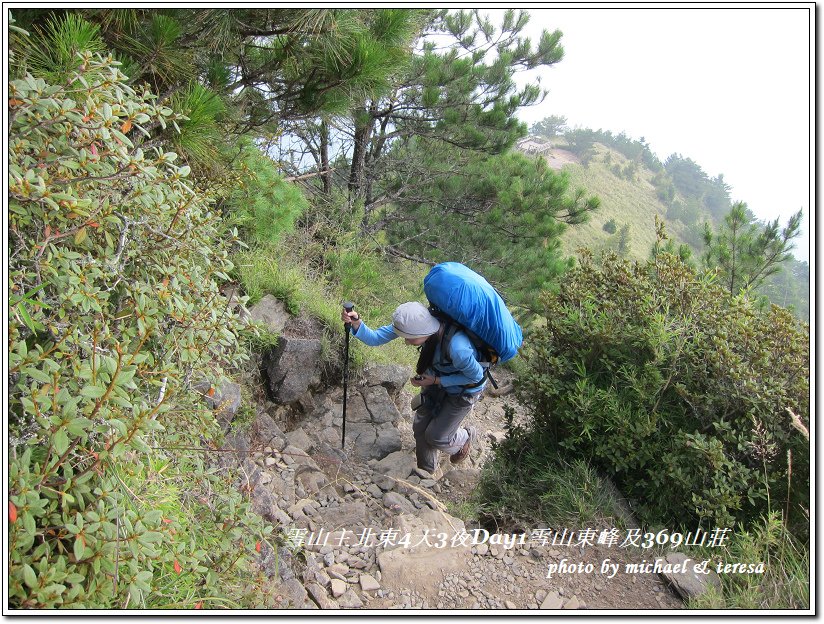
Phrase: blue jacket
(464,369)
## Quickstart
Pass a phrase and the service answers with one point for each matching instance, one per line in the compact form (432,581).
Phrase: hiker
(451,384)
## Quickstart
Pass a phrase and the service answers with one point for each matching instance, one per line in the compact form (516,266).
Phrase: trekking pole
(348,306)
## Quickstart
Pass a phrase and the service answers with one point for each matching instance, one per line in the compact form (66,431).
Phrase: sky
(730,88)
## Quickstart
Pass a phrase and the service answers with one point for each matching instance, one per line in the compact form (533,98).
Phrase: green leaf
(60,441)
(29,577)
(118,425)
(79,547)
(37,374)
(78,426)
(93,392)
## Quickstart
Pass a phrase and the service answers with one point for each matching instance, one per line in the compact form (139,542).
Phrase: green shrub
(611,226)
(678,391)
(114,267)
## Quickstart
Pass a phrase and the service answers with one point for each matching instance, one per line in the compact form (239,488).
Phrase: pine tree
(746,252)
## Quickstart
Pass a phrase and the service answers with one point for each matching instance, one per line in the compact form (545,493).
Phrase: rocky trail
(364,528)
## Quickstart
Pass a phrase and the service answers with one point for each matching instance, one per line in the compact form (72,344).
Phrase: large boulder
(291,367)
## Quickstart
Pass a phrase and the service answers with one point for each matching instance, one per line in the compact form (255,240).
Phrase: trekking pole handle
(348,306)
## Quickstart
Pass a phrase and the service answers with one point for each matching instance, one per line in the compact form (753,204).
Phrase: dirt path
(499,578)
(368,507)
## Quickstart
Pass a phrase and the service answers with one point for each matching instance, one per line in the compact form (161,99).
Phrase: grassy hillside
(627,202)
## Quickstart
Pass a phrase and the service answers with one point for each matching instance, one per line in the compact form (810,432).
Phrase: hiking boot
(461,455)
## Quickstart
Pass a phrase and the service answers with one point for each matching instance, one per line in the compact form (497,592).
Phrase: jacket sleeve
(463,358)
(374,337)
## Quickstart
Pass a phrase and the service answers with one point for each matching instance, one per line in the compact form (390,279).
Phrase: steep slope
(631,202)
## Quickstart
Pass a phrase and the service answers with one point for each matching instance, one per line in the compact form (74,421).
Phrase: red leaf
(199,605)
(257,546)
(127,125)
(166,520)
(12,513)
(178,569)
(94,149)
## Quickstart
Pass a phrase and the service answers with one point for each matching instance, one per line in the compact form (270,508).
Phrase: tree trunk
(326,176)
(363,133)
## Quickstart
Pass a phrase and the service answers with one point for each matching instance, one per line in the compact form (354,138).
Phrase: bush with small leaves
(682,393)
(114,268)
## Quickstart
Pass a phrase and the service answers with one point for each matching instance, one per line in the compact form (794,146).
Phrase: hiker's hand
(420,381)
(350,317)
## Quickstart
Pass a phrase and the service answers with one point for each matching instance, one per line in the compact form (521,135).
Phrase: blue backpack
(466,301)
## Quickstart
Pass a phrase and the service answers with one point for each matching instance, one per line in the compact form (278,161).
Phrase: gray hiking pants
(437,424)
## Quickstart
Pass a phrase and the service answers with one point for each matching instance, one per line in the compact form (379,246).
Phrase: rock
(380,406)
(572,603)
(350,600)
(398,464)
(397,503)
(374,491)
(271,312)
(338,588)
(391,377)
(687,583)
(552,601)
(296,593)
(388,441)
(264,504)
(299,439)
(291,367)
(356,411)
(503,390)
(319,595)
(482,549)
(496,436)
(311,479)
(239,440)
(368,583)
(267,433)
(346,516)
(540,595)
(297,510)
(414,567)
(339,569)
(510,605)
(298,457)
(360,438)
(463,478)
(384,482)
